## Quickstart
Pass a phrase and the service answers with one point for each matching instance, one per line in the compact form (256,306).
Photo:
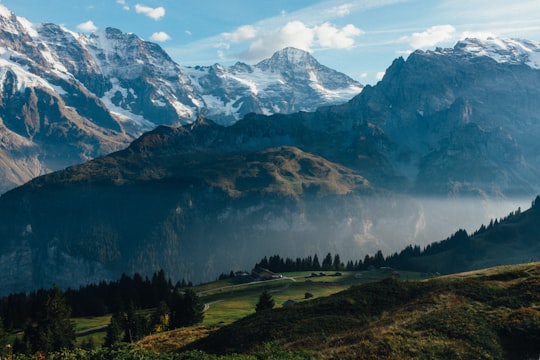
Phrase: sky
(360,37)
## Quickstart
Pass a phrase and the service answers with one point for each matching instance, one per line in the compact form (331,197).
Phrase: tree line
(94,299)
(330,262)
(44,316)
(401,260)
(459,242)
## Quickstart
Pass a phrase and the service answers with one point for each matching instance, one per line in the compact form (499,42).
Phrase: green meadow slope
(488,314)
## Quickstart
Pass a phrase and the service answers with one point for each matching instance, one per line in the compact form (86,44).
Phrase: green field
(228,301)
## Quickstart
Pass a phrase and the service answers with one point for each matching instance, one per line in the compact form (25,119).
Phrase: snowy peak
(511,51)
(128,53)
(288,57)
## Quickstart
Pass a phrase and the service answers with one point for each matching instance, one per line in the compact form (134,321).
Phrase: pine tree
(186,309)
(266,301)
(135,325)
(114,330)
(316,265)
(337,265)
(327,262)
(52,329)
(4,340)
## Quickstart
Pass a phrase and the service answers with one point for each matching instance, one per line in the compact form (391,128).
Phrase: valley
(119,165)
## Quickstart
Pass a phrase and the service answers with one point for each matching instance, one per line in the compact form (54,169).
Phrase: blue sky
(359,38)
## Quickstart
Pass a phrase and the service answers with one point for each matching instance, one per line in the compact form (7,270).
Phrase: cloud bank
(263,43)
(431,37)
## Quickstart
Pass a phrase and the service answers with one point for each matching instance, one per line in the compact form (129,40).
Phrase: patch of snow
(59,90)
(25,79)
(28,27)
(181,109)
(5,12)
(121,114)
(158,102)
(55,64)
(512,51)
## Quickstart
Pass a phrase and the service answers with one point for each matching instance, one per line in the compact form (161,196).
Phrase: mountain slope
(487,314)
(461,122)
(74,97)
(511,240)
(170,208)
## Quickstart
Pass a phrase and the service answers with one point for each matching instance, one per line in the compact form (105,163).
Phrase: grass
(490,314)
(86,323)
(230,302)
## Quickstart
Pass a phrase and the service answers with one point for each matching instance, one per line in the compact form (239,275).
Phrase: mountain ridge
(105,89)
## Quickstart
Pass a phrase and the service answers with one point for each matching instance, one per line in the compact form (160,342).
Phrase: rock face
(461,120)
(67,97)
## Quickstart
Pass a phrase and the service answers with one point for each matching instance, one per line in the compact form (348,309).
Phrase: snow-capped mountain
(290,81)
(508,51)
(70,97)
(462,119)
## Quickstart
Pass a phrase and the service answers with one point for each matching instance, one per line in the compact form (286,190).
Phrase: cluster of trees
(459,243)
(330,262)
(44,315)
(399,260)
(278,264)
(182,308)
(95,299)
(48,329)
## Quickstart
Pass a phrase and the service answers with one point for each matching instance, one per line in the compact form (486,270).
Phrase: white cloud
(293,34)
(154,13)
(478,35)
(380,75)
(331,37)
(125,6)
(341,10)
(363,75)
(87,26)
(432,36)
(160,36)
(243,33)
(187,32)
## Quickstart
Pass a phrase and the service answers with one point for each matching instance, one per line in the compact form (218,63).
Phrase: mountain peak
(502,50)
(5,12)
(287,57)
(292,54)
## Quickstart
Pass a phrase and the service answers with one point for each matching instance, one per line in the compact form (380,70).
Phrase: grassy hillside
(489,314)
(485,314)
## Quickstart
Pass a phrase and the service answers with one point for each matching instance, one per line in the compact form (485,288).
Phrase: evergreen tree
(3,338)
(186,309)
(135,325)
(265,301)
(114,330)
(316,265)
(337,265)
(327,262)
(52,329)
(161,317)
